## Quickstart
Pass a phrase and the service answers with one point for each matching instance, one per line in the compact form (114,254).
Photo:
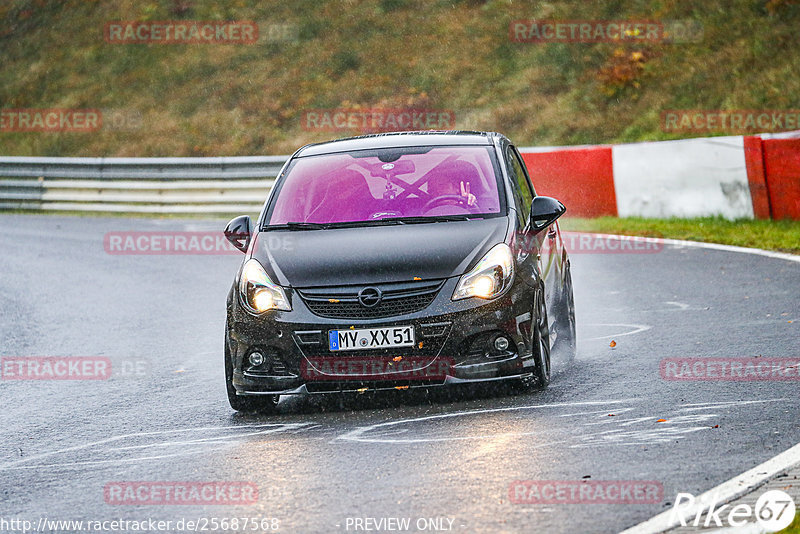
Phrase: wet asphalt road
(405,454)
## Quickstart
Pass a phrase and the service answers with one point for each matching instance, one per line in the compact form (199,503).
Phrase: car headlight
(490,277)
(258,293)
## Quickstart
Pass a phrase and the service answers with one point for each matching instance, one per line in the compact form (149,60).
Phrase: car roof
(400,139)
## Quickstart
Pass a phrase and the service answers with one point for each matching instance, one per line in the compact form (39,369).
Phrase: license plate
(371,338)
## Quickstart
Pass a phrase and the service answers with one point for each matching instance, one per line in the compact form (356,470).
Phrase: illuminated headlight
(258,293)
(490,278)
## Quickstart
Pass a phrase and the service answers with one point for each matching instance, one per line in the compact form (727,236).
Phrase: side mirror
(239,231)
(545,211)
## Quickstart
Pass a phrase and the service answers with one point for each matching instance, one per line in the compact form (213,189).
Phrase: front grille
(398,299)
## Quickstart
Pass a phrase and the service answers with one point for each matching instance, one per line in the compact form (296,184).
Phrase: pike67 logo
(774,510)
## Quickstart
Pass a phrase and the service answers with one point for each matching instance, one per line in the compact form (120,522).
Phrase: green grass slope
(205,100)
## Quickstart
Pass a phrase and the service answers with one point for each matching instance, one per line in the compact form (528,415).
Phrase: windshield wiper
(328,226)
(434,218)
(371,222)
(297,226)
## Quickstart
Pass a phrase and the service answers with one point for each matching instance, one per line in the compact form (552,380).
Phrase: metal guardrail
(143,185)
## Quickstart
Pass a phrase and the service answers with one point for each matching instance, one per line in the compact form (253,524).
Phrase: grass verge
(794,528)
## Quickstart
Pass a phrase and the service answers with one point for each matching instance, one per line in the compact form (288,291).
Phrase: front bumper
(449,337)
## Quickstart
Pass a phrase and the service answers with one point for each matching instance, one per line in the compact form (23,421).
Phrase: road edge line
(727,491)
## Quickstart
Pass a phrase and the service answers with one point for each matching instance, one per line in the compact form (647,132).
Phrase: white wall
(686,178)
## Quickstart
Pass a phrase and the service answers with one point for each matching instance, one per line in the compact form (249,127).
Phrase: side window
(525,172)
(524,192)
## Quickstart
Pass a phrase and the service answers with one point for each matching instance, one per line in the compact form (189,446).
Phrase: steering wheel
(442,199)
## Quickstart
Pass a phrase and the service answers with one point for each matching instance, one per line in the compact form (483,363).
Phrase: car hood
(376,254)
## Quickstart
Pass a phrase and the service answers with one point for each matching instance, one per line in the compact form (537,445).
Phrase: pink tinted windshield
(337,188)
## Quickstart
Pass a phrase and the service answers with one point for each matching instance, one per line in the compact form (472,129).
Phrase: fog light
(501,343)
(256,359)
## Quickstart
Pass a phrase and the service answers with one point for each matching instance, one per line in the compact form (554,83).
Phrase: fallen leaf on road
(661,421)
(612,344)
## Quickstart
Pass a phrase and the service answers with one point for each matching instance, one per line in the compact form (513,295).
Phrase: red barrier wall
(756,176)
(782,170)
(581,178)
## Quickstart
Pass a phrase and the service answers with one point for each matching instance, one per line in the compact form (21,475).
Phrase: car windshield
(389,184)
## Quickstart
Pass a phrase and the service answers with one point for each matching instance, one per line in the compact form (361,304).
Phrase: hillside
(248,99)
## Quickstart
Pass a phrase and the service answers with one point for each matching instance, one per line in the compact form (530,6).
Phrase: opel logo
(369,297)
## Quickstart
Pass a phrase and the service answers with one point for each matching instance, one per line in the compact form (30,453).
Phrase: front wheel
(541,344)
(567,340)
(245,403)
(541,349)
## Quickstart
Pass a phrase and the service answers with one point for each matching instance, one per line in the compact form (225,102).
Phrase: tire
(541,349)
(567,339)
(266,404)
(541,344)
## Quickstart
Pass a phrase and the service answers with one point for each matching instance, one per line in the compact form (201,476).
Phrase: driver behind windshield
(453,179)
(343,187)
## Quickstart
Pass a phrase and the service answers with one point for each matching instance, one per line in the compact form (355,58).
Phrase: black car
(413,259)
